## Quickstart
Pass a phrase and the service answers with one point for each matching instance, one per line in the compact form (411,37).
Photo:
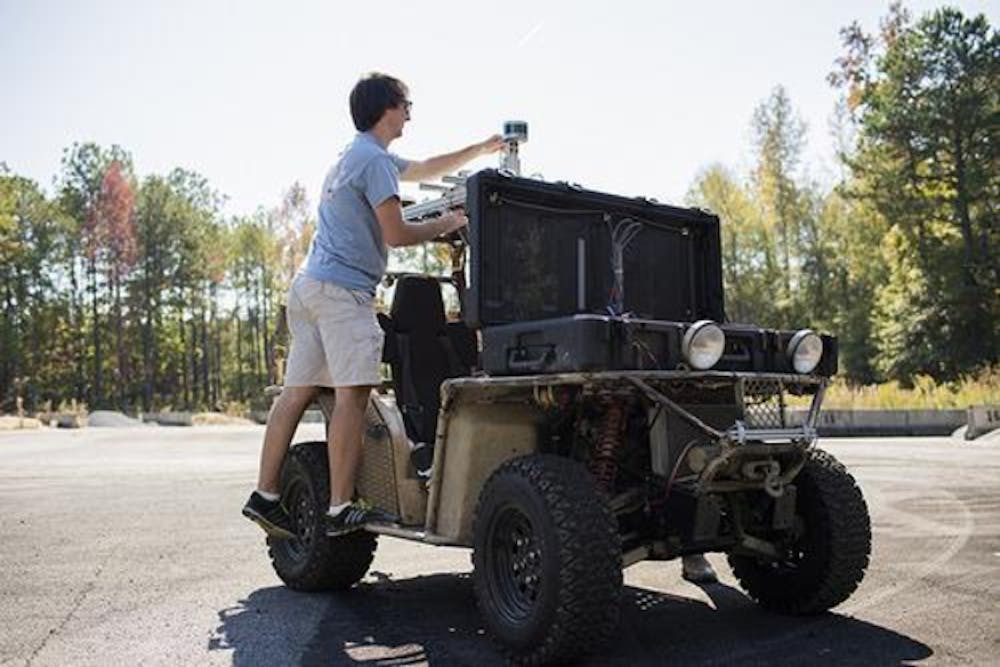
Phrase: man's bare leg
(344,441)
(281,424)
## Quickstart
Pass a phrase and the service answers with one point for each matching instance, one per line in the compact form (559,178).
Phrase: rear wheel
(828,554)
(547,560)
(311,561)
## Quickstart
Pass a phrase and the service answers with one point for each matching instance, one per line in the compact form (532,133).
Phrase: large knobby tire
(547,560)
(829,556)
(311,561)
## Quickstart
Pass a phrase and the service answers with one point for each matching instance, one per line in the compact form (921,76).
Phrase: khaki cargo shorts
(336,338)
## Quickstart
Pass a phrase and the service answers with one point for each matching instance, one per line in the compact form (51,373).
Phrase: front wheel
(311,561)
(827,557)
(547,560)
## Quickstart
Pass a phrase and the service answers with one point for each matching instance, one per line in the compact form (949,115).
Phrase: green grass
(926,393)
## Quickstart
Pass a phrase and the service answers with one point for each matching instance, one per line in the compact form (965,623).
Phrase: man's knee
(352,397)
(295,399)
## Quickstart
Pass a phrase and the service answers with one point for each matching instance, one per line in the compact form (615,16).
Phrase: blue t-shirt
(348,249)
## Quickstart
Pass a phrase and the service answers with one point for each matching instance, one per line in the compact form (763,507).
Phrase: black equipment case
(542,284)
(545,250)
(582,343)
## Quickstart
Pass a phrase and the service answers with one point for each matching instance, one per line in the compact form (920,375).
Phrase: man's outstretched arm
(435,167)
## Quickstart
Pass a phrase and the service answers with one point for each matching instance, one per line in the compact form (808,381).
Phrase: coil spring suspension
(604,462)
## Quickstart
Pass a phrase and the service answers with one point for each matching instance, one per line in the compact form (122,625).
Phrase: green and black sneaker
(269,515)
(354,517)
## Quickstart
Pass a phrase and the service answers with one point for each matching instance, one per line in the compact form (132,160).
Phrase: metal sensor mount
(452,191)
(515,132)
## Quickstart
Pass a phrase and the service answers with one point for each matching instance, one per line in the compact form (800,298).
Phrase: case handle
(536,363)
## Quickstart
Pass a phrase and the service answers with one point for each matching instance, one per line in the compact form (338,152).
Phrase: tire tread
(588,607)
(848,529)
(334,563)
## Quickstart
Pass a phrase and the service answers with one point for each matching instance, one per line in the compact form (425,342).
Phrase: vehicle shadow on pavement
(733,630)
(434,620)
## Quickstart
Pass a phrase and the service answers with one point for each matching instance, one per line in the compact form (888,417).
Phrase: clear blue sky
(628,97)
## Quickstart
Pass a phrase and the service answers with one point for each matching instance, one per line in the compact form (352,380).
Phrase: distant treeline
(138,294)
(898,258)
(128,293)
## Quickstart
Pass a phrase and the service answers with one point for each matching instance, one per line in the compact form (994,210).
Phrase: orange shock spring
(604,464)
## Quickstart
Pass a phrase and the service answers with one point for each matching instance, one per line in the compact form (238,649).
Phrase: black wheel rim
(302,509)
(514,564)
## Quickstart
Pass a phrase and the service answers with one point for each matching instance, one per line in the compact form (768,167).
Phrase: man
(336,339)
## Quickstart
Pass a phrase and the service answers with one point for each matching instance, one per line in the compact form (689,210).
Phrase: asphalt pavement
(125,546)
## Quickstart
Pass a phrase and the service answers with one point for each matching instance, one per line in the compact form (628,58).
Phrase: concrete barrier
(62,419)
(312,417)
(982,419)
(308,417)
(847,423)
(172,418)
(68,420)
(832,423)
(15,423)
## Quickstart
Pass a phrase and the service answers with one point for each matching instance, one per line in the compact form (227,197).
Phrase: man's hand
(491,145)
(396,232)
(453,221)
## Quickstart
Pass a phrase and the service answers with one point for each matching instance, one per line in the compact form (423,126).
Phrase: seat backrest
(417,305)
(463,340)
(424,353)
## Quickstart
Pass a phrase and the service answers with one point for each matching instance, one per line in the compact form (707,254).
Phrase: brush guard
(749,451)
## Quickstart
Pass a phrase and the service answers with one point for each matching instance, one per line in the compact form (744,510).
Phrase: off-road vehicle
(589,409)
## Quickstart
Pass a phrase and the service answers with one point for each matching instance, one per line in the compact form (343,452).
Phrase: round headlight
(805,350)
(703,344)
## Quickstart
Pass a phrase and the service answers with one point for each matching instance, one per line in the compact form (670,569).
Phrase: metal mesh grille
(763,404)
(377,477)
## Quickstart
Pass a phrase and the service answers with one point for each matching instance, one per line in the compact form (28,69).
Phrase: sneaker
(422,458)
(354,517)
(696,569)
(269,515)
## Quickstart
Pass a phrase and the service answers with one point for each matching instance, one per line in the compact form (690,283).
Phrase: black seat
(423,350)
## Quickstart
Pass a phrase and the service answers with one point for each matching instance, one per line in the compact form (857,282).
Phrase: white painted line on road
(958,541)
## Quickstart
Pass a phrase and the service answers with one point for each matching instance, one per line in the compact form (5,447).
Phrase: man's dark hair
(371,96)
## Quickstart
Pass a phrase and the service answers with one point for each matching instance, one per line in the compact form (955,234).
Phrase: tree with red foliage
(114,216)
(110,247)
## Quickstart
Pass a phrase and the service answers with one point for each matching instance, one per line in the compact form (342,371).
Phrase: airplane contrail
(531,33)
